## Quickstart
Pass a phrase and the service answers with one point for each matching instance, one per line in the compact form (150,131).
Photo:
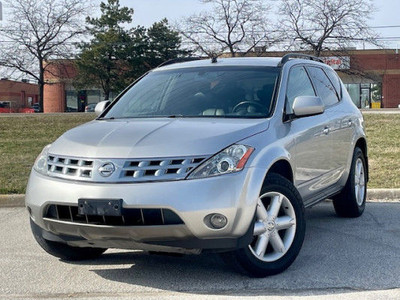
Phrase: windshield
(230,92)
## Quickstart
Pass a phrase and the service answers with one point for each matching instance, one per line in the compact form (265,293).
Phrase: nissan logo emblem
(106,169)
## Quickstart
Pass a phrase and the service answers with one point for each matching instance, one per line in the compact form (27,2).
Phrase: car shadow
(338,254)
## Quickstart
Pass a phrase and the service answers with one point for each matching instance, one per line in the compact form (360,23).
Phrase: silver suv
(208,155)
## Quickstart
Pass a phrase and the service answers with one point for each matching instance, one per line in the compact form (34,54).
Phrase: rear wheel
(350,202)
(64,251)
(278,230)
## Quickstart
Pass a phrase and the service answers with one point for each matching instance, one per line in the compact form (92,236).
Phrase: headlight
(41,161)
(232,159)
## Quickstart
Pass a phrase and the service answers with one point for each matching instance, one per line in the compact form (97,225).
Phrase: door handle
(326,131)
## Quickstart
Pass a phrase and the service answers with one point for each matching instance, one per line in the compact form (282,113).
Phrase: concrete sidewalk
(373,195)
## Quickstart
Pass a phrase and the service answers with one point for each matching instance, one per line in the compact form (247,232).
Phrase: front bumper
(234,196)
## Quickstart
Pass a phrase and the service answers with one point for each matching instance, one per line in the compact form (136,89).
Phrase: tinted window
(237,92)
(298,85)
(334,78)
(323,85)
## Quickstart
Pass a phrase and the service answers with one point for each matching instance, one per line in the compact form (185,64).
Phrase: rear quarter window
(323,85)
(334,78)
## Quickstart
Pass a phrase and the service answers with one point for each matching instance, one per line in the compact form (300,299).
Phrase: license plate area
(100,207)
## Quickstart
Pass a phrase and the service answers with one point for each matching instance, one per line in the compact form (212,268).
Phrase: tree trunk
(107,88)
(107,83)
(106,94)
(233,53)
(41,85)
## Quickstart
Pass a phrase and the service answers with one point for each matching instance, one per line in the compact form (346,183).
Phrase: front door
(312,156)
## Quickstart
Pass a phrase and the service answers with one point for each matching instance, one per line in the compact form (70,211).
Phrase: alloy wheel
(275,227)
(359,182)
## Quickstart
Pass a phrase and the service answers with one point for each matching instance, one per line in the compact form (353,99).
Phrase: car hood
(145,138)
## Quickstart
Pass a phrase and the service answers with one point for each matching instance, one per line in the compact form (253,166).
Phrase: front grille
(130,216)
(70,167)
(165,169)
(126,170)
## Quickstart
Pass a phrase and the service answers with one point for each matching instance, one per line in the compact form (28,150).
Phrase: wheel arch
(362,144)
(283,168)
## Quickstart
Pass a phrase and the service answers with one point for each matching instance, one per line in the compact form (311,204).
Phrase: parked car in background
(90,107)
(36,107)
(26,110)
(5,107)
(209,155)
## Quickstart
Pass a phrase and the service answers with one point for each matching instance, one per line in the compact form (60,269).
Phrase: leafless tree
(319,25)
(236,26)
(37,31)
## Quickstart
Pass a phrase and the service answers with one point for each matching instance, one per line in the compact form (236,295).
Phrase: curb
(373,195)
(383,195)
(14,200)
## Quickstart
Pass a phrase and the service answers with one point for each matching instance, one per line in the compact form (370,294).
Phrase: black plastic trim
(219,244)
(289,56)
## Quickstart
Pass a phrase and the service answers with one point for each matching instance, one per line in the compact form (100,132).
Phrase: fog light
(218,221)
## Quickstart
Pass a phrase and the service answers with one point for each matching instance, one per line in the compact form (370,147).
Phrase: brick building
(60,95)
(372,78)
(384,67)
(17,95)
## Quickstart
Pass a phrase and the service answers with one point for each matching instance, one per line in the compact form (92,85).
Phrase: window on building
(93,96)
(354,92)
(71,101)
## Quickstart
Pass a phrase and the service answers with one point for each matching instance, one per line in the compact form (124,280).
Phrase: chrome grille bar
(126,170)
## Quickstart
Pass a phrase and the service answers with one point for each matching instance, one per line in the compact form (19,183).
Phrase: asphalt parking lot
(340,259)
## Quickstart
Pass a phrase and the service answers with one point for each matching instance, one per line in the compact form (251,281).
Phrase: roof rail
(287,57)
(178,60)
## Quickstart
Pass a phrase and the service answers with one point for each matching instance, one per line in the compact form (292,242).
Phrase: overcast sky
(149,11)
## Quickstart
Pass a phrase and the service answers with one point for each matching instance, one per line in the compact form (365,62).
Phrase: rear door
(331,98)
(343,122)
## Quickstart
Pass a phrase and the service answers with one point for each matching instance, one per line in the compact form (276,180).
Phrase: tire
(64,251)
(279,230)
(350,203)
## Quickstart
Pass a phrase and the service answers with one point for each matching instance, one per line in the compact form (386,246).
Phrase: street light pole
(1,11)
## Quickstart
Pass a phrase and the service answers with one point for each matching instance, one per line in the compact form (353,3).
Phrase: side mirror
(101,106)
(304,106)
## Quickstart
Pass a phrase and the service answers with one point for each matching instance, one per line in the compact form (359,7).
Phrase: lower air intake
(129,217)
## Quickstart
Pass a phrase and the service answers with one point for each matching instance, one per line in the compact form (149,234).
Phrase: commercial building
(372,78)
(17,95)
(60,94)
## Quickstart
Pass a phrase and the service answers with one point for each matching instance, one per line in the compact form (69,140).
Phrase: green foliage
(102,61)
(116,56)
(164,44)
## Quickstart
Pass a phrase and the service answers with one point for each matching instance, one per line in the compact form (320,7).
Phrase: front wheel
(278,232)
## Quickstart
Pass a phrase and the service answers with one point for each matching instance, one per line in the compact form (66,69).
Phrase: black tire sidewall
(358,154)
(345,203)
